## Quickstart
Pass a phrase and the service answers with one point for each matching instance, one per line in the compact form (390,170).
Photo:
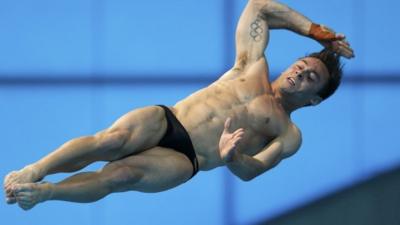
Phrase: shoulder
(291,140)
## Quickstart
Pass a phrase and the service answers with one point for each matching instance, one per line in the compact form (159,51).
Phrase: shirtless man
(241,121)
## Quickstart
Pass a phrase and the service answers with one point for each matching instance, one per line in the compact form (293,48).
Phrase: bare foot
(26,175)
(30,194)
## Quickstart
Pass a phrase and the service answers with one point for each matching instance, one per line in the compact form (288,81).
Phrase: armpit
(241,61)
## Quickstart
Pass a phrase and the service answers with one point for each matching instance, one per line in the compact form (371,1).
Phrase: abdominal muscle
(203,114)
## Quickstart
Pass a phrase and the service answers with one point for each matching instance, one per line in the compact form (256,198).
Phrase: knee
(123,179)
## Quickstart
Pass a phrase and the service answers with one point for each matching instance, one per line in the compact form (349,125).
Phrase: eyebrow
(305,62)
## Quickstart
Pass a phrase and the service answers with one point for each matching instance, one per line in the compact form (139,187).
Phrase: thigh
(145,127)
(160,168)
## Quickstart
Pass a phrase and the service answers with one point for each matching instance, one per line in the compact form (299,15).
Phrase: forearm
(245,167)
(280,16)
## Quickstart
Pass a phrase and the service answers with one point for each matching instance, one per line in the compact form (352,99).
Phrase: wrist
(234,156)
(321,33)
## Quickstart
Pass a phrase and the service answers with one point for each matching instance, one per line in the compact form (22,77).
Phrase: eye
(312,76)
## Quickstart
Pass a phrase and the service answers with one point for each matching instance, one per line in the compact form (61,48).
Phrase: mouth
(291,81)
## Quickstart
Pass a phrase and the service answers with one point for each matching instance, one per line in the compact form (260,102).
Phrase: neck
(287,101)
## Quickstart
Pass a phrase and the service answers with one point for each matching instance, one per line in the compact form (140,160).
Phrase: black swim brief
(177,138)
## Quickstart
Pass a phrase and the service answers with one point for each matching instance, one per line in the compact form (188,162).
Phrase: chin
(287,90)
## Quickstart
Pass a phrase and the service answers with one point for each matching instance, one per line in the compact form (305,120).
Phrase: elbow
(261,4)
(253,174)
(248,177)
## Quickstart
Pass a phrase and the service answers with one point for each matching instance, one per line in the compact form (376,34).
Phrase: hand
(229,141)
(331,40)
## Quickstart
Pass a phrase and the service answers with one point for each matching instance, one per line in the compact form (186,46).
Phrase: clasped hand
(331,40)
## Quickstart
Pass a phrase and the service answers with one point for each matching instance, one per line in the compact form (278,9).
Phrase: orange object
(321,33)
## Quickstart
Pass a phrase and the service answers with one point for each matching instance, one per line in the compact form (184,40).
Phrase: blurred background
(70,68)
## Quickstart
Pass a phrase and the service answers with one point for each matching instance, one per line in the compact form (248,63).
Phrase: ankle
(38,173)
(47,190)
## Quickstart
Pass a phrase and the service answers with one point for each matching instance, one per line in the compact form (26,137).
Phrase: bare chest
(204,114)
(265,117)
(263,122)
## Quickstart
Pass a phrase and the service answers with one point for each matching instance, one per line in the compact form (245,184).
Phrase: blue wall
(348,138)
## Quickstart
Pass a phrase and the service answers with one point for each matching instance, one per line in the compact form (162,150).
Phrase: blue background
(70,68)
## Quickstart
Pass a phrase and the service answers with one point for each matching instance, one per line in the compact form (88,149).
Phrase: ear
(315,100)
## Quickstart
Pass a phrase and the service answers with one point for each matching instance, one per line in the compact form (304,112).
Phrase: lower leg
(80,152)
(82,187)
(71,156)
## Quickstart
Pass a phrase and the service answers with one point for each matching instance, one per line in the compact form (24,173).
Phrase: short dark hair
(332,62)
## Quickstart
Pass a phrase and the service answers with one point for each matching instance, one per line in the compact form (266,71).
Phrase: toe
(21,187)
(11,200)
(8,178)
(8,188)
(9,194)
(25,205)
(26,200)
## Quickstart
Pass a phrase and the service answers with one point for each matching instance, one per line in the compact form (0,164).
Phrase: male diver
(241,121)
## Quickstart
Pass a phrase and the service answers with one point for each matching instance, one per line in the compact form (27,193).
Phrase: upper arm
(280,148)
(252,35)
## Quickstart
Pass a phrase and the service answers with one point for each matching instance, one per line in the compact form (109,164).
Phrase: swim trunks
(177,138)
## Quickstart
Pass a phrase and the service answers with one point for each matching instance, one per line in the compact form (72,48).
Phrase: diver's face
(304,78)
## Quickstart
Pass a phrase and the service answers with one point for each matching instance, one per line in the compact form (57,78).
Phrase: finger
(335,46)
(345,49)
(239,134)
(349,52)
(345,46)
(340,36)
(344,43)
(342,50)
(241,130)
(346,52)
(341,53)
(237,138)
(238,131)
(227,123)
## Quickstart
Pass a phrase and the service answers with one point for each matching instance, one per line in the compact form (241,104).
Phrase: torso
(247,98)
